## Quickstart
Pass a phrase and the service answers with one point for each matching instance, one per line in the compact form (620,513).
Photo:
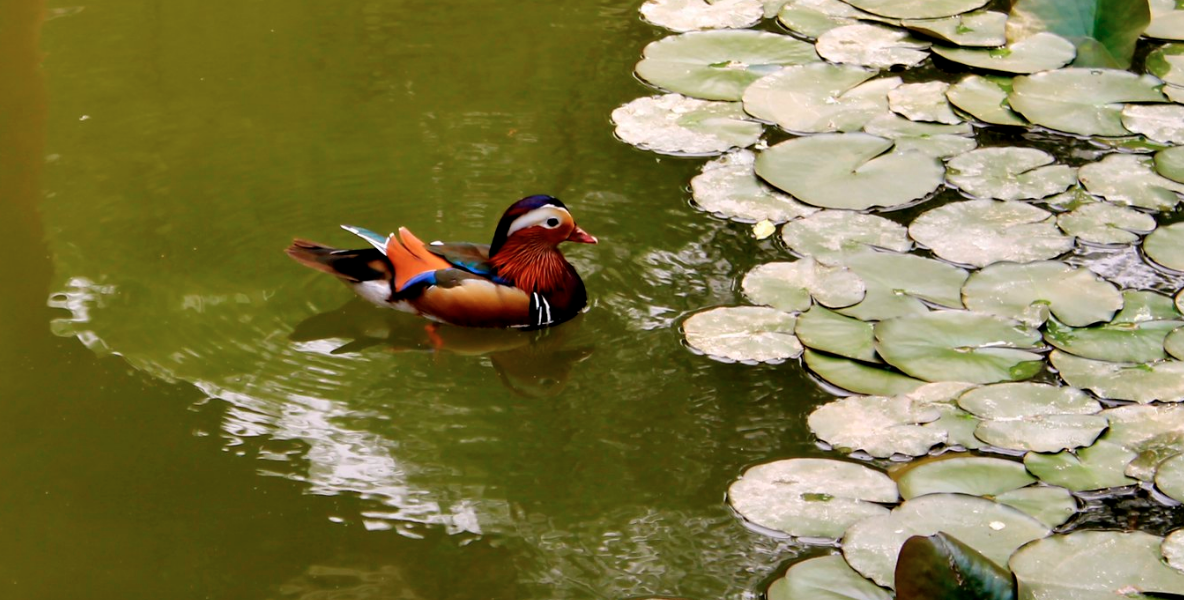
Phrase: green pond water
(177,423)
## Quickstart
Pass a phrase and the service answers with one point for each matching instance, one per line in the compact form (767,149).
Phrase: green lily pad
(1009,173)
(923,102)
(897,283)
(1071,199)
(959,346)
(871,546)
(828,331)
(1140,382)
(1161,123)
(810,497)
(1051,505)
(979,28)
(1167,63)
(825,578)
(1165,246)
(674,124)
(812,18)
(1152,452)
(858,377)
(932,139)
(1042,433)
(718,65)
(941,566)
(917,9)
(1082,101)
(852,171)
(1115,342)
(1097,467)
(1128,179)
(875,46)
(1169,478)
(1168,26)
(1173,550)
(1008,401)
(1103,223)
(1030,291)
(789,286)
(728,187)
(1173,343)
(958,424)
(819,97)
(1040,52)
(1139,306)
(986,99)
(743,333)
(879,425)
(1175,93)
(981,232)
(1104,31)
(1094,565)
(691,15)
(1170,163)
(829,235)
(973,475)
(1134,425)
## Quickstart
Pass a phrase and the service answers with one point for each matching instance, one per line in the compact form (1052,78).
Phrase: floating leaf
(1082,101)
(871,546)
(690,15)
(1167,63)
(812,18)
(1168,26)
(1170,163)
(728,187)
(1042,433)
(1102,223)
(986,99)
(980,28)
(1051,505)
(1097,467)
(981,232)
(942,567)
(897,283)
(789,286)
(1127,179)
(873,46)
(1094,565)
(825,578)
(973,475)
(674,124)
(1173,343)
(959,346)
(858,377)
(1104,31)
(1040,52)
(1140,382)
(1173,549)
(1139,306)
(1029,291)
(923,102)
(917,9)
(820,97)
(1165,246)
(848,170)
(1075,197)
(931,139)
(828,331)
(810,497)
(743,333)
(829,235)
(879,425)
(1169,478)
(1160,123)
(718,65)
(1009,173)
(1006,401)
(1115,342)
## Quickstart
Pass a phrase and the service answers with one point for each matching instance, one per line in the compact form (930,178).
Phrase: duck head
(537,222)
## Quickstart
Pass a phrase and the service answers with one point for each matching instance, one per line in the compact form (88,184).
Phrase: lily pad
(871,546)
(1139,306)
(986,99)
(973,475)
(959,346)
(825,578)
(1115,342)
(1129,179)
(1042,433)
(1030,291)
(1071,199)
(1007,401)
(1104,31)
(828,331)
(819,97)
(743,333)
(1169,478)
(898,283)
(1166,246)
(923,102)
(879,425)
(875,46)
(1097,467)
(812,18)
(1140,382)
(981,232)
(1167,63)
(718,65)
(1051,505)
(810,497)
(1102,223)
(1094,565)
(979,28)
(1173,550)
(1170,163)
(852,171)
(917,9)
(829,235)
(858,377)
(789,286)
(1173,343)
(1161,123)
(674,124)
(1040,52)
(1168,26)
(1082,101)
(932,139)
(941,566)
(691,15)
(1009,173)
(728,187)
(958,424)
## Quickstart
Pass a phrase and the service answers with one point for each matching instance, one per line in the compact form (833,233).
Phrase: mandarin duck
(520,280)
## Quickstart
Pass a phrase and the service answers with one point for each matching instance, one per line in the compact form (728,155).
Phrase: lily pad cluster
(935,264)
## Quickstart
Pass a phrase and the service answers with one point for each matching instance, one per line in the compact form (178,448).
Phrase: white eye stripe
(538,216)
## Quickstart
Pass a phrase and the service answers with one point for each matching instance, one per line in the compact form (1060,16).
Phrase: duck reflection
(536,364)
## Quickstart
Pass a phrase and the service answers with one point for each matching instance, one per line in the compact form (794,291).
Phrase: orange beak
(581,237)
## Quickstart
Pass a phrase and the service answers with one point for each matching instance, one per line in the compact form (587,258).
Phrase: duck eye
(552,222)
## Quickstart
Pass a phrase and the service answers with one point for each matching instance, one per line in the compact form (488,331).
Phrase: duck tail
(351,266)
